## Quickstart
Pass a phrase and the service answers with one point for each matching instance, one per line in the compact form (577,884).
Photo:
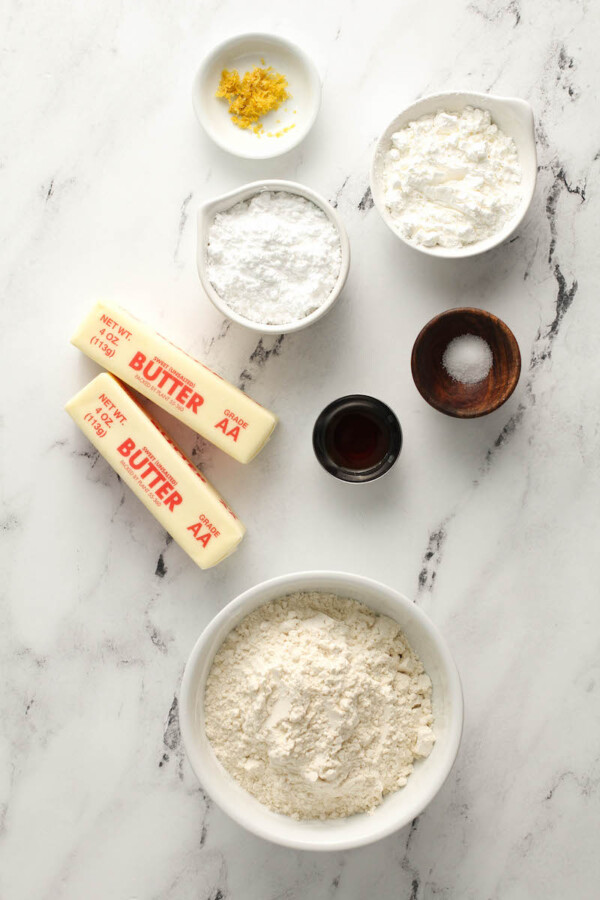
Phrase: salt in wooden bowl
(456,398)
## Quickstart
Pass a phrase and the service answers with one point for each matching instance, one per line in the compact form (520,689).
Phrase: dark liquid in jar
(356,439)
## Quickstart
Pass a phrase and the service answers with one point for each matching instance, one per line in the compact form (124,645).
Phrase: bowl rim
(468,97)
(292,48)
(502,326)
(205,644)
(205,214)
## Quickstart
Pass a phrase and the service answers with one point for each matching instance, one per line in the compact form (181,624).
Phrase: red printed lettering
(183,393)
(138,361)
(174,500)
(177,382)
(151,470)
(149,374)
(201,538)
(234,433)
(195,401)
(126,447)
(238,421)
(163,490)
(136,460)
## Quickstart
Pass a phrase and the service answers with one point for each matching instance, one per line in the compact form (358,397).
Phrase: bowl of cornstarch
(321,710)
(272,256)
(466,362)
(453,175)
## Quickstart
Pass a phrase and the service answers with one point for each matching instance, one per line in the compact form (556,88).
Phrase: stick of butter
(156,470)
(159,370)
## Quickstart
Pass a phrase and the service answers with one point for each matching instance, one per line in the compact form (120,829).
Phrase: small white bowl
(244,52)
(513,116)
(397,809)
(206,214)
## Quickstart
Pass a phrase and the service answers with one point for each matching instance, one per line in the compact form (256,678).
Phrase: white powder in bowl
(318,706)
(451,179)
(274,258)
(467,358)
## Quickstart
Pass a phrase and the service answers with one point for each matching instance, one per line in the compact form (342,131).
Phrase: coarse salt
(467,358)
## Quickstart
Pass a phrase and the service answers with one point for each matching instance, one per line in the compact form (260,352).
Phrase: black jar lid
(377,442)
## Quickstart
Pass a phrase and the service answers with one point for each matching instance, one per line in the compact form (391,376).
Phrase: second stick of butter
(156,470)
(186,388)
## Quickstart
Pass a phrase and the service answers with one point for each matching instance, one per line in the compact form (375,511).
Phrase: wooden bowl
(454,398)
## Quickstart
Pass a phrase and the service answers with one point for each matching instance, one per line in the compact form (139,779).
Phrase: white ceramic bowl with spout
(512,116)
(397,809)
(206,214)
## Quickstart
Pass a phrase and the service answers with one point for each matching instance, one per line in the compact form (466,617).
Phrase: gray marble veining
(491,525)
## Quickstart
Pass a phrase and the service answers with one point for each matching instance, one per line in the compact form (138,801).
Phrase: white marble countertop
(491,524)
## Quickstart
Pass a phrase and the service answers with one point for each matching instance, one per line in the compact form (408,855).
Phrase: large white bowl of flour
(397,809)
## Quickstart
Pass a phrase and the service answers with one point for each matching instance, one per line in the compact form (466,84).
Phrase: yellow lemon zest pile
(252,96)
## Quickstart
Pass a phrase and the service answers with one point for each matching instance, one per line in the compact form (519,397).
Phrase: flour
(318,706)
(451,179)
(275,258)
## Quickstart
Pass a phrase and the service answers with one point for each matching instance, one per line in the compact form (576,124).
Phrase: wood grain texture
(454,398)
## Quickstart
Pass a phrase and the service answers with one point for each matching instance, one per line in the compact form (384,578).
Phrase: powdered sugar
(318,706)
(275,258)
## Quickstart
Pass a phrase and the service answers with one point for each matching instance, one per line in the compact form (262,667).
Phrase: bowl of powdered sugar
(321,710)
(272,256)
(453,175)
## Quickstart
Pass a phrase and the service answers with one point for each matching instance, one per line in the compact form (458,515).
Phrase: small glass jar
(357,438)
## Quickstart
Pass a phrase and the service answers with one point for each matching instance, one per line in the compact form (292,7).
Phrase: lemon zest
(252,96)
